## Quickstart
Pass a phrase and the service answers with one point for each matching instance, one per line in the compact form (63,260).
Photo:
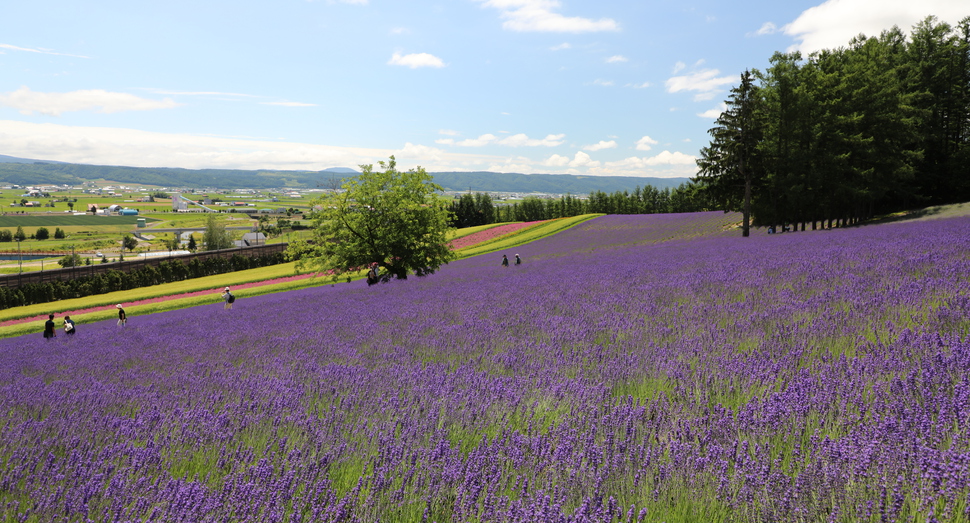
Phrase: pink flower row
(488,234)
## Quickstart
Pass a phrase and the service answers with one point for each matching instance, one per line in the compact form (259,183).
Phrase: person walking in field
(49,331)
(518,261)
(228,298)
(69,326)
(122,317)
(505,261)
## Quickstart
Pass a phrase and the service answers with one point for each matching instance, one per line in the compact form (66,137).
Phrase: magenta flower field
(488,234)
(634,368)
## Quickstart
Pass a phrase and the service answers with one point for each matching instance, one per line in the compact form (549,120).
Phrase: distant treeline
(479,208)
(879,126)
(77,174)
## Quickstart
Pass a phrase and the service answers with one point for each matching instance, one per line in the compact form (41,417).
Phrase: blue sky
(624,88)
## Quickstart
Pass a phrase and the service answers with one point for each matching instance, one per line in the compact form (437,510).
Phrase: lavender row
(635,368)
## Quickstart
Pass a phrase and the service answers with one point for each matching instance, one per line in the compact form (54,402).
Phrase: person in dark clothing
(518,261)
(69,326)
(122,317)
(505,261)
(49,331)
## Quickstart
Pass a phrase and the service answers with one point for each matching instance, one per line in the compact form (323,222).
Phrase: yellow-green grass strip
(215,282)
(36,327)
(525,235)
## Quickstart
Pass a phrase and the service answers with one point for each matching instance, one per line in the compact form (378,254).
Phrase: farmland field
(634,368)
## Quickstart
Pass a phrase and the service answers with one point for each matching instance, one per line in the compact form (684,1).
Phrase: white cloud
(603,83)
(669,158)
(834,22)
(561,47)
(54,104)
(416,60)
(644,85)
(556,161)
(448,132)
(445,141)
(714,113)
(400,31)
(521,140)
(289,104)
(665,158)
(766,29)
(678,67)
(481,141)
(600,146)
(615,59)
(539,16)
(706,83)
(644,144)
(39,50)
(200,93)
(419,153)
(583,160)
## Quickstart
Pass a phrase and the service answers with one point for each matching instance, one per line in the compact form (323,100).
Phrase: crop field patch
(63,219)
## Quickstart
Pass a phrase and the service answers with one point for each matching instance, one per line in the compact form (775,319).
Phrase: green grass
(526,235)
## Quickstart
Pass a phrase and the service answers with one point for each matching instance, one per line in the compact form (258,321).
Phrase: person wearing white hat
(122,317)
(228,298)
(518,261)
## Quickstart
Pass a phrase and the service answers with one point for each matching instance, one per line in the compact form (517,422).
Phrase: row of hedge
(114,280)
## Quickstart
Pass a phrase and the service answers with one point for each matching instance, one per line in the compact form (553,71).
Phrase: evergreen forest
(878,126)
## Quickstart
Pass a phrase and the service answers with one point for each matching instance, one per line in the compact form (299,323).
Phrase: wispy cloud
(40,51)
(603,144)
(289,104)
(416,60)
(515,140)
(540,16)
(767,28)
(561,47)
(603,83)
(616,59)
(200,93)
(521,140)
(54,104)
(705,82)
(714,113)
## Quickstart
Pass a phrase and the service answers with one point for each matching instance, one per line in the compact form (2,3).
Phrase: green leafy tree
(192,245)
(392,218)
(6,236)
(71,260)
(20,235)
(58,233)
(215,236)
(42,233)
(70,205)
(128,242)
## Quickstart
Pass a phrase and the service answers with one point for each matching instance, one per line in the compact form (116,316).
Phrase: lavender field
(635,368)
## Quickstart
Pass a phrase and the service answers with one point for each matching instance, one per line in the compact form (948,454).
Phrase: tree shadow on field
(928,213)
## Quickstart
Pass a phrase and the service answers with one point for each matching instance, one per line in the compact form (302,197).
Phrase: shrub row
(114,280)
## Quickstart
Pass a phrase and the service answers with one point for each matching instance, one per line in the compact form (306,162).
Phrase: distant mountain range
(23,171)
